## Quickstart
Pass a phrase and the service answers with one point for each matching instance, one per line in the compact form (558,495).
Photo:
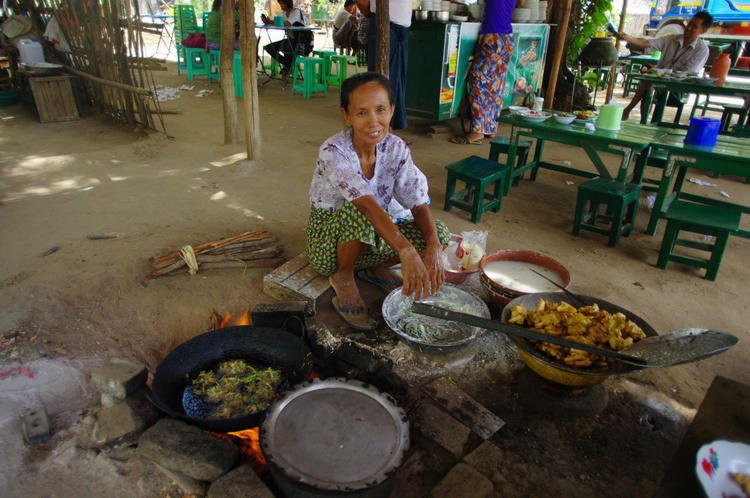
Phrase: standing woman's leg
(487,78)
(399,59)
(502,54)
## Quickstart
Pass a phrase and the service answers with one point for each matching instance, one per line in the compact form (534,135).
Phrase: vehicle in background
(670,16)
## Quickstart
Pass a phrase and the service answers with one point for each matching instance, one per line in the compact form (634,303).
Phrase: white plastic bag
(55,35)
(471,249)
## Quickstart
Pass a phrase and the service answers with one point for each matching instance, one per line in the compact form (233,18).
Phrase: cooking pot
(556,371)
(262,347)
(420,15)
(334,437)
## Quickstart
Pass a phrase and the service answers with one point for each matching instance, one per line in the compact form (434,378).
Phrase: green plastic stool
(477,173)
(326,56)
(621,200)
(196,60)
(214,65)
(500,145)
(312,68)
(702,219)
(340,62)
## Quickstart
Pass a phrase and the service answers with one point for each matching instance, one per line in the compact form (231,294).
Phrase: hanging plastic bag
(55,35)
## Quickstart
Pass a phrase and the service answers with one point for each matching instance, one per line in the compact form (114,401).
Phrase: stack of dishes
(542,11)
(521,15)
(533,6)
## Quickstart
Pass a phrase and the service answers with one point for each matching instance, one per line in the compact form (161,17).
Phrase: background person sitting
(345,25)
(686,53)
(294,44)
(213,27)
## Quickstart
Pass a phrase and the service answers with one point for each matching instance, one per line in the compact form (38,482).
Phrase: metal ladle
(677,347)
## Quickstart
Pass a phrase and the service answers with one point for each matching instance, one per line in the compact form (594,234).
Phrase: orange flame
(249,443)
(219,322)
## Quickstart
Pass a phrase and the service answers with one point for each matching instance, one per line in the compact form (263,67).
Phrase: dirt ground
(88,300)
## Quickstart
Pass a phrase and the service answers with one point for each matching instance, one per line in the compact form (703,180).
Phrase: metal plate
(335,434)
(450,297)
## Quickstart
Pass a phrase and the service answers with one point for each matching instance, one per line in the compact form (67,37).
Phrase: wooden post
(562,30)
(383,30)
(231,122)
(249,78)
(613,70)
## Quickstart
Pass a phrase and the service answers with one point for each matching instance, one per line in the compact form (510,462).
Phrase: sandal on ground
(385,285)
(466,141)
(355,316)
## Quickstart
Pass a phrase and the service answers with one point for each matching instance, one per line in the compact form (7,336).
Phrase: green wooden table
(686,86)
(631,140)
(730,155)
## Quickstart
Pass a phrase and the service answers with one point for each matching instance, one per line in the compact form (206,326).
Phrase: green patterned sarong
(326,229)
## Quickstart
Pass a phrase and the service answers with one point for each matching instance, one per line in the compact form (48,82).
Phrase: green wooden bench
(621,200)
(702,219)
(477,173)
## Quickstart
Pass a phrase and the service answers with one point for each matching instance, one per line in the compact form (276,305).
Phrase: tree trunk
(231,122)
(383,30)
(559,50)
(248,49)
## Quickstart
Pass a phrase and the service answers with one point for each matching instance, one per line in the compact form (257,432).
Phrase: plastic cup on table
(656,53)
(278,21)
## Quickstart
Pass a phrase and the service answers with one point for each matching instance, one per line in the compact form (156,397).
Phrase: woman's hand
(433,262)
(414,274)
(265,19)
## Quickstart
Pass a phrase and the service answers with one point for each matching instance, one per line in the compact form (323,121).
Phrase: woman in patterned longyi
(370,206)
(488,70)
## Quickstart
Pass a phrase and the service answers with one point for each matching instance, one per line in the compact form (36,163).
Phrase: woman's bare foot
(346,290)
(383,272)
(348,303)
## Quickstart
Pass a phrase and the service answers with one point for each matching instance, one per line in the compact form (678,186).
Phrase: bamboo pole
(140,91)
(562,30)
(248,48)
(231,121)
(383,37)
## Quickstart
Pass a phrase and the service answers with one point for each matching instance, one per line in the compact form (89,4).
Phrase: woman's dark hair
(706,18)
(352,83)
(347,3)
(216,5)
(288,3)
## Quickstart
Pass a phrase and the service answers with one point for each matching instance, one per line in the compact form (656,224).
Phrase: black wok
(261,346)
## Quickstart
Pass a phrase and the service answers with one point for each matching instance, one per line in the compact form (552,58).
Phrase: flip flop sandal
(465,141)
(355,316)
(385,285)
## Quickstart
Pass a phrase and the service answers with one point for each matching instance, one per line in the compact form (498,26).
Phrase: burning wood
(257,248)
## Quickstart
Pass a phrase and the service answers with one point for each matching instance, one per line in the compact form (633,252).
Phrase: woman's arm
(364,7)
(433,256)
(415,275)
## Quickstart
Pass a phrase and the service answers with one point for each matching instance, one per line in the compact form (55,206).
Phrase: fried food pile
(588,325)
(236,388)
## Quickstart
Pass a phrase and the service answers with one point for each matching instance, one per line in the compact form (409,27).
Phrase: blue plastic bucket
(703,131)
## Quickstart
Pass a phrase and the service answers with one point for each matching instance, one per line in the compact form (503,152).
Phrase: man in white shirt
(400,15)
(686,52)
(345,25)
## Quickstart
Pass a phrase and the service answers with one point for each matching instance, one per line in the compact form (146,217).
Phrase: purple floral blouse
(338,176)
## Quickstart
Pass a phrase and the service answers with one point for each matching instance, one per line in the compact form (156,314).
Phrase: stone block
(463,407)
(184,448)
(445,430)
(463,480)
(124,421)
(188,485)
(242,481)
(487,459)
(119,378)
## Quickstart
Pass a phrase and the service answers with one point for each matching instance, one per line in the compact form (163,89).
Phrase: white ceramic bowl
(457,18)
(564,119)
(535,116)
(517,109)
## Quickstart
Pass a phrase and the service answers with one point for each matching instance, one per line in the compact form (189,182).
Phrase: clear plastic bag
(471,249)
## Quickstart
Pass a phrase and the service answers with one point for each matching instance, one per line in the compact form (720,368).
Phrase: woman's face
(369,113)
